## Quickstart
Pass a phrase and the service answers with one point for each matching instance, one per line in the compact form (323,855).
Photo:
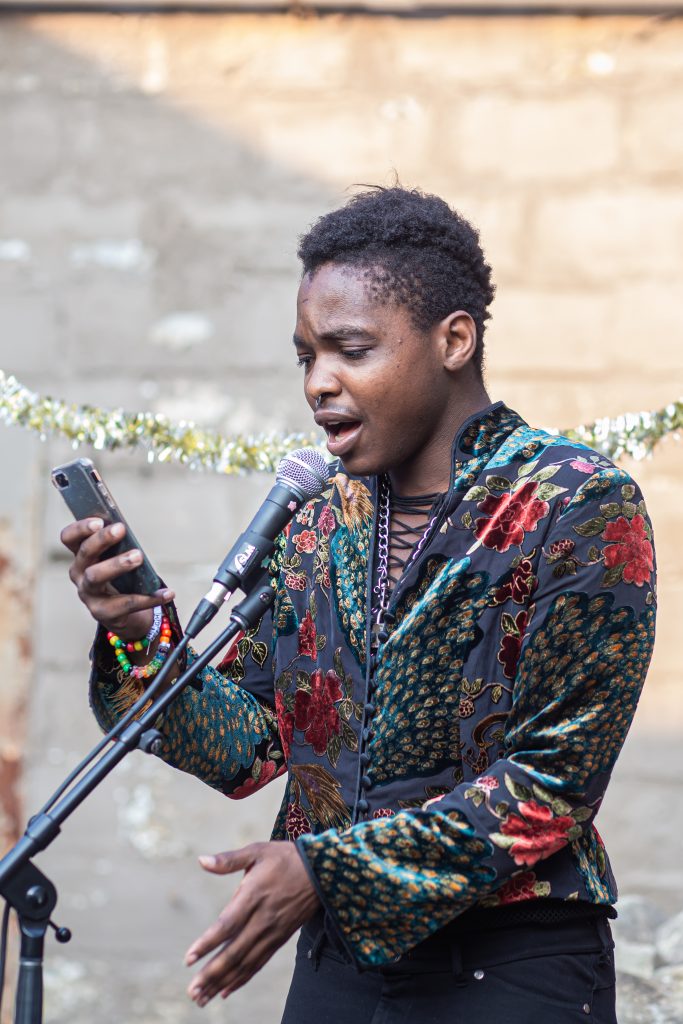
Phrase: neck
(429,471)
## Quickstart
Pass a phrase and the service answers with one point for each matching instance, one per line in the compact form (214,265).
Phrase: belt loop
(456,958)
(315,952)
(604,931)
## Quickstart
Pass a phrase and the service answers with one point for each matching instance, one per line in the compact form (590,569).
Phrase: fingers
(231,921)
(95,542)
(235,914)
(89,540)
(274,898)
(235,964)
(231,860)
(73,535)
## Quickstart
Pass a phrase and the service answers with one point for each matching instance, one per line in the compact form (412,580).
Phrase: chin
(363,465)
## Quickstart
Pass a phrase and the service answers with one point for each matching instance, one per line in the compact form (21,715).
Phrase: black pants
(562,973)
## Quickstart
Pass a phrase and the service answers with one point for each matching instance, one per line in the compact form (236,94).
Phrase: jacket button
(365,759)
(368,734)
(366,782)
(369,709)
(362,806)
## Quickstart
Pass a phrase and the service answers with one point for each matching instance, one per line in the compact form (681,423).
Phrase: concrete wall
(154,175)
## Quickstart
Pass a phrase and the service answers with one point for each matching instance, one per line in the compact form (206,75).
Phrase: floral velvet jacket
(465,765)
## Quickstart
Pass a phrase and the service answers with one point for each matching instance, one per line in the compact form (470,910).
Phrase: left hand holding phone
(128,615)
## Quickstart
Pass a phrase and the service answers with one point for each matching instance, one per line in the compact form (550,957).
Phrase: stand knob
(37,896)
(61,934)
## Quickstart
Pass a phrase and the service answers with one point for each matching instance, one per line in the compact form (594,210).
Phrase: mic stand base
(34,897)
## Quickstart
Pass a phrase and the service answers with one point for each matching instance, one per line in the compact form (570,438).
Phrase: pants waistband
(483,939)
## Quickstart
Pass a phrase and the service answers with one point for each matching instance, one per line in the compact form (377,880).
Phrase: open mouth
(342,436)
(339,431)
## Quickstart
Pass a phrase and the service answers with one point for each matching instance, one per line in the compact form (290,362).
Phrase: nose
(321,381)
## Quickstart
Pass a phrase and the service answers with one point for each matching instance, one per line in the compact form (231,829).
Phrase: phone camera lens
(61,480)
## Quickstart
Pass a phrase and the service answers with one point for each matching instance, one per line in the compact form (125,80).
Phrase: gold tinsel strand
(635,434)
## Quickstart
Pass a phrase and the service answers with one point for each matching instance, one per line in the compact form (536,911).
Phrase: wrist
(137,625)
(143,658)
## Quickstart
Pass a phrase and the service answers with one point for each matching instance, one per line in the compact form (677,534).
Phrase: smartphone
(87,496)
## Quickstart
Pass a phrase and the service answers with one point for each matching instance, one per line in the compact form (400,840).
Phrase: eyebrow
(341,333)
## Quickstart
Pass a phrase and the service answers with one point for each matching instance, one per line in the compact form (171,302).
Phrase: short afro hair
(417,252)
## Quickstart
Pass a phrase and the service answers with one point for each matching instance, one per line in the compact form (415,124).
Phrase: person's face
(377,385)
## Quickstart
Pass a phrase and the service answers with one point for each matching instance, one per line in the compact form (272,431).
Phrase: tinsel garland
(162,439)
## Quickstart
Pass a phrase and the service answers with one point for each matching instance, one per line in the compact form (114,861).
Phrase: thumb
(228,861)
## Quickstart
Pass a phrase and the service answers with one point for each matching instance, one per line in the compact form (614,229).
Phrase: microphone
(300,476)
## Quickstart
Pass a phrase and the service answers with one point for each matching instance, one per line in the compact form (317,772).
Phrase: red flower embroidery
(487,782)
(561,547)
(307,637)
(466,707)
(296,821)
(305,542)
(583,467)
(511,646)
(537,832)
(326,582)
(250,785)
(295,580)
(630,548)
(383,812)
(512,515)
(326,521)
(520,887)
(520,586)
(315,712)
(285,721)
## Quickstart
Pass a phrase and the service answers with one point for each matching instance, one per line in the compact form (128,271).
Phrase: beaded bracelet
(150,637)
(143,671)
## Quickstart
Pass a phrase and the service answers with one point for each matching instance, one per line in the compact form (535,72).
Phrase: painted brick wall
(154,175)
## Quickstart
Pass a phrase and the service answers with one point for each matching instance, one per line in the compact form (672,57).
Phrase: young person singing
(462,626)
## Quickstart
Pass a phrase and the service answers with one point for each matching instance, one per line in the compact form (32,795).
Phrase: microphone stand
(32,895)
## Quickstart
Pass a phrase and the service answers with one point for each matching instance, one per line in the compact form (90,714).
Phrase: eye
(355,353)
(304,360)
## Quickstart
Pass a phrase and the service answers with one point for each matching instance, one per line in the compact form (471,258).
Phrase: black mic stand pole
(24,887)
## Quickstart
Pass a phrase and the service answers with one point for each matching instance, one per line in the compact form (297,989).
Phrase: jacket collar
(481,435)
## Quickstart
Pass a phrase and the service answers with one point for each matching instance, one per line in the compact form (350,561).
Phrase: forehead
(336,294)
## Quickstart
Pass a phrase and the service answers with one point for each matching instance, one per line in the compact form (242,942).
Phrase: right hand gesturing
(128,615)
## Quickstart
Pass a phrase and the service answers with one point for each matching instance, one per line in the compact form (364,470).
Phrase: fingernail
(207,861)
(95,524)
(118,530)
(167,595)
(133,558)
(191,958)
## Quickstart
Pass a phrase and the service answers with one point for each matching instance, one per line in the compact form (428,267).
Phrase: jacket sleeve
(583,652)
(225,733)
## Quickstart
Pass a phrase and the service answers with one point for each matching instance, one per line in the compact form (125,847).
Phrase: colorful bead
(163,631)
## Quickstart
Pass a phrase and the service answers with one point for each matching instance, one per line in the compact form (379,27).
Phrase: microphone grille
(305,469)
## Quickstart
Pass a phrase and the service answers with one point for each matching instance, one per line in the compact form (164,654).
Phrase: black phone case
(87,495)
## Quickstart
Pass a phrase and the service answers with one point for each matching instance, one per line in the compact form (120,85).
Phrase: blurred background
(156,170)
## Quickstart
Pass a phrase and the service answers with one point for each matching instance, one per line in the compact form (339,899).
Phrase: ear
(456,336)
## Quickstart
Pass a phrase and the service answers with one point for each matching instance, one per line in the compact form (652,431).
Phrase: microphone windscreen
(305,469)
